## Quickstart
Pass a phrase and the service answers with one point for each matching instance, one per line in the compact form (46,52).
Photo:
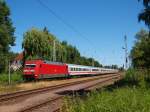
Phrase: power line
(64,22)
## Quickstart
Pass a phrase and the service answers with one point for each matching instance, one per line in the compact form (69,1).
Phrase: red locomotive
(44,69)
(38,69)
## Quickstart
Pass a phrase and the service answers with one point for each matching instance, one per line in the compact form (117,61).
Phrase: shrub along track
(54,91)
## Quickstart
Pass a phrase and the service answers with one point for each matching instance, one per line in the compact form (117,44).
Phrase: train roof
(74,65)
(70,65)
(84,66)
(44,61)
(51,62)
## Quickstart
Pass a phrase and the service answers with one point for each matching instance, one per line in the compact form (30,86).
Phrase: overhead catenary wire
(66,23)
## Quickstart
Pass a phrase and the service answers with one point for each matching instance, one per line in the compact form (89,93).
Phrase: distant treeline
(40,44)
(36,44)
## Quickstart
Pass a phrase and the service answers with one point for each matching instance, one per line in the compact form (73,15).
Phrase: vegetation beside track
(131,94)
(15,78)
(5,87)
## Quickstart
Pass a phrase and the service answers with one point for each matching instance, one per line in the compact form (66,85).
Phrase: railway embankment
(14,87)
(131,94)
(35,100)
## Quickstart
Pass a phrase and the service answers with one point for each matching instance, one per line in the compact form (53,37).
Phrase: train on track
(39,69)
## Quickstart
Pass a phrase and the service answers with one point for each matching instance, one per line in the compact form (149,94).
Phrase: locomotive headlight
(28,70)
(31,70)
(25,70)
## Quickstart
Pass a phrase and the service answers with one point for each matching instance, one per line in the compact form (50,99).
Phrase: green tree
(7,38)
(37,44)
(140,53)
(145,14)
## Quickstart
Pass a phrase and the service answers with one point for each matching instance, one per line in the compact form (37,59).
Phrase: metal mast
(54,50)
(126,52)
(92,61)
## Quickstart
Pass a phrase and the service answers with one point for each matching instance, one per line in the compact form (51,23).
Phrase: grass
(15,78)
(8,88)
(120,100)
(131,94)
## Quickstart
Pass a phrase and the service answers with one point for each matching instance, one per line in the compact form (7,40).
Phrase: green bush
(134,77)
(120,100)
(15,78)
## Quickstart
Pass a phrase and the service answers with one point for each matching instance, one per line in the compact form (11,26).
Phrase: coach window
(71,69)
(77,69)
(74,69)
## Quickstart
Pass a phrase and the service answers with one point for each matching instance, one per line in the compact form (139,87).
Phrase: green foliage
(4,60)
(145,2)
(7,38)
(120,100)
(6,29)
(15,78)
(145,14)
(39,44)
(135,78)
(132,76)
(140,53)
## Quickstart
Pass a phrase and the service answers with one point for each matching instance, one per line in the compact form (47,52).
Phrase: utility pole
(54,50)
(126,52)
(93,62)
(9,72)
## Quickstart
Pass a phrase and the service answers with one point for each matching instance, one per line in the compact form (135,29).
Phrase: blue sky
(103,22)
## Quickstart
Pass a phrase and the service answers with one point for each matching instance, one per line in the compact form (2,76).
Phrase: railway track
(84,84)
(10,96)
(55,108)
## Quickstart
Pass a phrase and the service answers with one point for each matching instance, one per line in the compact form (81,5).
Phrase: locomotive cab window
(30,66)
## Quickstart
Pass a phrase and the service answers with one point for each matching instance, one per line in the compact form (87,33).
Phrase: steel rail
(29,109)
(57,98)
(9,96)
